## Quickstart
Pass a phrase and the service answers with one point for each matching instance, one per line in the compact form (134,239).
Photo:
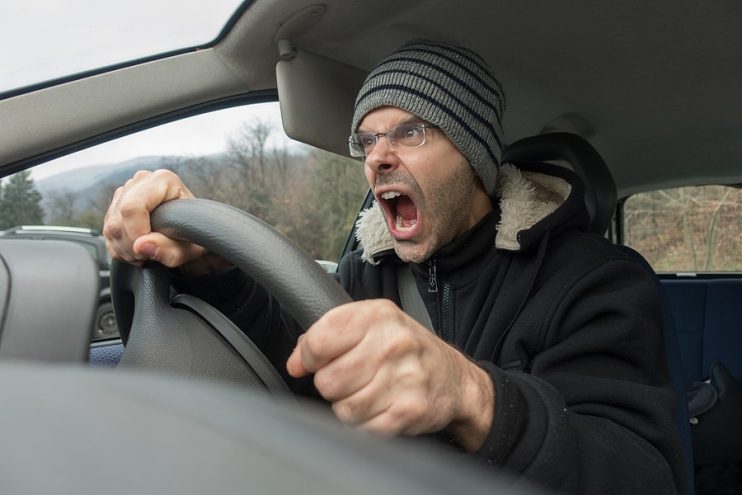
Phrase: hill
(87,184)
(97,175)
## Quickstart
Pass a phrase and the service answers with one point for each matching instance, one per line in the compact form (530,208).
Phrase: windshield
(47,39)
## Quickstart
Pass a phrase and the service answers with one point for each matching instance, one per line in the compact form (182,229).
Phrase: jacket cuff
(509,419)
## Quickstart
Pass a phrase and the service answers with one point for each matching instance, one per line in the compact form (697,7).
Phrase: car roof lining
(658,140)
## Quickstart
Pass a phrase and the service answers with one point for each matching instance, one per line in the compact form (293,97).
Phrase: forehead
(383,118)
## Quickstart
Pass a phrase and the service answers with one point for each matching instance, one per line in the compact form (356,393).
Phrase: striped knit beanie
(448,86)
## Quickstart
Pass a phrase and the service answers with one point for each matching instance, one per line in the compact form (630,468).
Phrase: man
(545,354)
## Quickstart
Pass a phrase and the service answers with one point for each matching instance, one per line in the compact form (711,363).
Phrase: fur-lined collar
(525,198)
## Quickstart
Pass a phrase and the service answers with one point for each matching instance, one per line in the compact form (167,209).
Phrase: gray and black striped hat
(448,86)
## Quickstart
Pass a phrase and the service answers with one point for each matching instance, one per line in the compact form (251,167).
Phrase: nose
(382,158)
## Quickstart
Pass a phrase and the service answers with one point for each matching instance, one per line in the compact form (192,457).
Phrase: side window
(239,156)
(688,229)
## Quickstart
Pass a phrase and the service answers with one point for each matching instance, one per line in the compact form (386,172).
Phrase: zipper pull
(432,276)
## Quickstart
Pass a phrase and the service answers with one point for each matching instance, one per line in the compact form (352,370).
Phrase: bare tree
(60,208)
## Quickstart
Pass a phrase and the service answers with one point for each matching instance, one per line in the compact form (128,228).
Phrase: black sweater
(567,327)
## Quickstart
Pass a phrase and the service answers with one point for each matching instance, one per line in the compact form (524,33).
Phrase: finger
(368,402)
(348,373)
(113,230)
(407,414)
(334,334)
(124,198)
(331,336)
(127,218)
(169,252)
(145,193)
(293,364)
(112,212)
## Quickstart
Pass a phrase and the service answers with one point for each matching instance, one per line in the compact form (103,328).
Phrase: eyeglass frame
(376,136)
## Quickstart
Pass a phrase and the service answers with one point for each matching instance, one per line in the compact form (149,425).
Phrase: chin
(412,253)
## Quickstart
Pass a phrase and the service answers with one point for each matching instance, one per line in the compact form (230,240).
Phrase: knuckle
(164,173)
(314,342)
(326,383)
(139,175)
(169,177)
(338,317)
(381,306)
(129,209)
(401,343)
(118,193)
(112,230)
(345,411)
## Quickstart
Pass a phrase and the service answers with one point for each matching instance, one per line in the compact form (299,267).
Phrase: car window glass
(239,156)
(688,229)
(45,39)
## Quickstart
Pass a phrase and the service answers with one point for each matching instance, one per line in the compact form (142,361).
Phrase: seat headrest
(583,159)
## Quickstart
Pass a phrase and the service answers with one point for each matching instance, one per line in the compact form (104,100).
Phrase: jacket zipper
(443,302)
(446,333)
(432,276)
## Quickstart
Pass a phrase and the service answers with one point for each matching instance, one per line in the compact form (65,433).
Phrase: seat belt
(412,303)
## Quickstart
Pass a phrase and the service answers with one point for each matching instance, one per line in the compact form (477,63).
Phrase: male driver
(546,353)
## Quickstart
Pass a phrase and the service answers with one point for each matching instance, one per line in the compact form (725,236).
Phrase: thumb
(169,252)
(294,365)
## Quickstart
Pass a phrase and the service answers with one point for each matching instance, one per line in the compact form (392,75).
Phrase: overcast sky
(46,39)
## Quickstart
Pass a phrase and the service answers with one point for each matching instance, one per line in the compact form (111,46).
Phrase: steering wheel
(183,334)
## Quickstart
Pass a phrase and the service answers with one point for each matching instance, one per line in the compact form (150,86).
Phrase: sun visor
(317,95)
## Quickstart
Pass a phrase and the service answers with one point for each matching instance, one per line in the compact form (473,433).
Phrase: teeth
(403,224)
(391,194)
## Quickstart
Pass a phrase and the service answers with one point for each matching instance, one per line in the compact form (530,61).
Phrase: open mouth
(401,213)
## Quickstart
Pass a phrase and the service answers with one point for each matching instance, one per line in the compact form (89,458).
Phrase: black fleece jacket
(567,327)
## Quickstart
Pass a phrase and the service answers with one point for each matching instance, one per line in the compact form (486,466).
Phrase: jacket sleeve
(592,412)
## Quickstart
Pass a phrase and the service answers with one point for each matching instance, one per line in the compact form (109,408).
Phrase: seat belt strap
(412,303)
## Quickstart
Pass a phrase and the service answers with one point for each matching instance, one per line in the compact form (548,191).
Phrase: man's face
(429,194)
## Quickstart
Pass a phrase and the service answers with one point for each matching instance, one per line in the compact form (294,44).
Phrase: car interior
(633,98)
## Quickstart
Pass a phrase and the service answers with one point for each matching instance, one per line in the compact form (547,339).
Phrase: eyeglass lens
(408,134)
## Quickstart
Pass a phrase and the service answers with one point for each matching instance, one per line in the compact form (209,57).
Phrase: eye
(365,140)
(407,132)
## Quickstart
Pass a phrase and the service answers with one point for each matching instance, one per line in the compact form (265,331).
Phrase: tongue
(406,212)
(406,208)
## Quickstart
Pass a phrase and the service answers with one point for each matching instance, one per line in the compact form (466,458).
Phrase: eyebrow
(412,119)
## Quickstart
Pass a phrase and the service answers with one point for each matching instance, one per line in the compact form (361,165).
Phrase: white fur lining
(525,199)
(372,233)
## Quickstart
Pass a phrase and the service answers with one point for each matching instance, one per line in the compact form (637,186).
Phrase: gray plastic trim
(52,296)
(85,431)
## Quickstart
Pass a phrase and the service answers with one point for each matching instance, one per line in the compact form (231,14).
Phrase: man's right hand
(128,232)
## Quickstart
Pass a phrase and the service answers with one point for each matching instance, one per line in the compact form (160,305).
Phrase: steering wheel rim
(203,344)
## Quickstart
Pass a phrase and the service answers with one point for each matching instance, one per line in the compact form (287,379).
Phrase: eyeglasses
(409,134)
